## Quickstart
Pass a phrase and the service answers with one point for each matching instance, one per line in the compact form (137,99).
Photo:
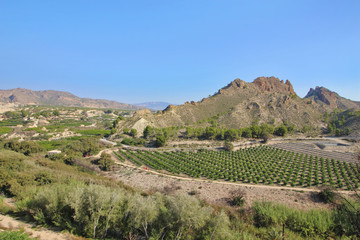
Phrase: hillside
(240,104)
(58,98)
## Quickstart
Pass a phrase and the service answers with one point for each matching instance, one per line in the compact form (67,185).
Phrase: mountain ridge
(240,104)
(58,98)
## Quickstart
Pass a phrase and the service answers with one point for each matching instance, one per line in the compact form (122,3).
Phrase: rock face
(273,84)
(58,98)
(322,95)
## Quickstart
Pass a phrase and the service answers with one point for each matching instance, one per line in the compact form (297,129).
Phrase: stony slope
(58,98)
(239,104)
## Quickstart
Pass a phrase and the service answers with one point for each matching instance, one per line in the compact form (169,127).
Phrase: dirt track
(10,223)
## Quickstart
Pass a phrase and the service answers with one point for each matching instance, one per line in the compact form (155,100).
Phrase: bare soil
(10,223)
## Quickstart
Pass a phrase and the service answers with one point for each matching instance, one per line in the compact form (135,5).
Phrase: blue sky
(175,51)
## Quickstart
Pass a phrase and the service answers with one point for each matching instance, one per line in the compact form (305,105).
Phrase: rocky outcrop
(273,84)
(332,99)
(170,108)
(142,112)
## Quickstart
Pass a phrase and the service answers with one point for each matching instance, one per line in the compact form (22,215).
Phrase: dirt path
(10,223)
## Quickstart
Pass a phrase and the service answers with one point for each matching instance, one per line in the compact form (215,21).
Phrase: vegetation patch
(262,164)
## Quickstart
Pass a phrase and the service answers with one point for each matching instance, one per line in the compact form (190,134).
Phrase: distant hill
(154,105)
(324,96)
(240,104)
(58,98)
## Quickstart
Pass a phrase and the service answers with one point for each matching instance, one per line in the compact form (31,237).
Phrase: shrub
(25,147)
(133,132)
(228,146)
(133,142)
(327,196)
(239,201)
(160,141)
(106,163)
(347,218)
(308,223)
(281,130)
(267,214)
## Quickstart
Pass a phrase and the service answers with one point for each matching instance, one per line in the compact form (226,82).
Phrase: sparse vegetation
(14,235)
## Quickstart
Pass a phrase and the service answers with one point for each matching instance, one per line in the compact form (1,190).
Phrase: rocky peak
(330,98)
(273,84)
(169,108)
(237,83)
(324,95)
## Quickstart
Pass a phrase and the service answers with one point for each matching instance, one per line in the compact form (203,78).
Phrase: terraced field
(258,165)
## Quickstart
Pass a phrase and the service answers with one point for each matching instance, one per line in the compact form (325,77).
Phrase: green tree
(133,132)
(210,132)
(247,133)
(266,128)
(281,130)
(256,131)
(126,131)
(231,134)
(106,163)
(147,131)
(160,141)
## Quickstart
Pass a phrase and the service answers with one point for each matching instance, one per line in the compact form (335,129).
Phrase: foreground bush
(347,218)
(97,212)
(308,223)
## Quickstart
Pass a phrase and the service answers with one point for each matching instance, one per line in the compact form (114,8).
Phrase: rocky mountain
(58,98)
(154,105)
(324,96)
(240,104)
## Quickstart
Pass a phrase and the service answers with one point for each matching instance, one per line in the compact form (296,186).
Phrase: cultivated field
(258,165)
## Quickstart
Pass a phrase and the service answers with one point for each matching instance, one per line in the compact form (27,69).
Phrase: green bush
(99,212)
(311,223)
(281,130)
(14,235)
(347,218)
(106,163)
(228,146)
(160,141)
(133,141)
(25,147)
(267,214)
(239,201)
(327,196)
(308,223)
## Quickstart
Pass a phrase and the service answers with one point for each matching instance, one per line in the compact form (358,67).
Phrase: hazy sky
(141,50)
